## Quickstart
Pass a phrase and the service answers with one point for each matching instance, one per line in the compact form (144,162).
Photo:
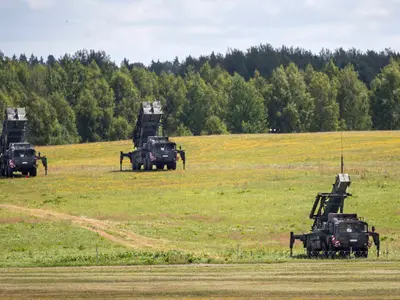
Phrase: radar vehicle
(334,232)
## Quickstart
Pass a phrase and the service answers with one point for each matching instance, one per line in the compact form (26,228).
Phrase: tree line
(86,97)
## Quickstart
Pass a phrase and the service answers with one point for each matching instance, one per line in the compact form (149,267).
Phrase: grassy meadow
(237,200)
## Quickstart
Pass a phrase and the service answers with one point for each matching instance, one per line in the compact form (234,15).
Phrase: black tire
(343,254)
(325,250)
(147,164)
(362,253)
(9,172)
(33,172)
(171,166)
(134,165)
(160,166)
(310,253)
(331,251)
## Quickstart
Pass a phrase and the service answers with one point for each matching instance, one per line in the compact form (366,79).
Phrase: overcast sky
(142,30)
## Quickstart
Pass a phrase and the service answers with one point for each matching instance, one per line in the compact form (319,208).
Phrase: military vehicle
(336,233)
(17,155)
(152,148)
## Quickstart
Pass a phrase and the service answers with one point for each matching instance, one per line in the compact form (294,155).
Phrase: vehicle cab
(21,158)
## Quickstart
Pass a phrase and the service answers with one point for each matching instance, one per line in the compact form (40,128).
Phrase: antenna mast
(341,150)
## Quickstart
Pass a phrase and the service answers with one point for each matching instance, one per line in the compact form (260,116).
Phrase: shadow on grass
(138,171)
(16,176)
(325,257)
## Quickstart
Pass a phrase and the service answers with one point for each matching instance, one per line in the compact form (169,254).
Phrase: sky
(145,30)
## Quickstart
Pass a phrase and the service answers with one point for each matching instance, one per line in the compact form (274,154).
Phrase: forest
(86,97)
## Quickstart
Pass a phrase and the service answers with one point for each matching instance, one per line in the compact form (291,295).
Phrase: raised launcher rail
(13,133)
(326,210)
(14,128)
(146,136)
(148,123)
(330,202)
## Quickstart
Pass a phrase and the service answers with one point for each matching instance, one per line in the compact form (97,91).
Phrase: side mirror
(373,228)
(180,147)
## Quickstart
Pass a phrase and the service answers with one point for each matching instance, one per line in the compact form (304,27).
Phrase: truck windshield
(352,227)
(24,153)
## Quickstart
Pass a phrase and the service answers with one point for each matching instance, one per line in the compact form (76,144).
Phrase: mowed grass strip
(238,198)
(326,280)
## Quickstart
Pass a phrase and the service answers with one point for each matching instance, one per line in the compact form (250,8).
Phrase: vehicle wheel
(362,253)
(9,172)
(160,166)
(310,253)
(135,165)
(325,251)
(32,173)
(171,166)
(147,164)
(343,254)
(331,252)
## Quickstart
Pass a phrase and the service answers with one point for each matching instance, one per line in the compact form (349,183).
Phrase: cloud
(142,30)
(40,4)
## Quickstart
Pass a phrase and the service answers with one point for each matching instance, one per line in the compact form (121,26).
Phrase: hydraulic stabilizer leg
(291,243)
(183,157)
(293,238)
(375,237)
(121,158)
(44,162)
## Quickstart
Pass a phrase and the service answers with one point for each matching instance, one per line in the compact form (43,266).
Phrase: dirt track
(105,229)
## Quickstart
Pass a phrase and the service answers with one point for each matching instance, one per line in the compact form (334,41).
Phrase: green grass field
(305,280)
(237,200)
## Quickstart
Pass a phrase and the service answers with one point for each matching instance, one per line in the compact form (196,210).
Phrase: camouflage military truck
(151,147)
(17,155)
(334,232)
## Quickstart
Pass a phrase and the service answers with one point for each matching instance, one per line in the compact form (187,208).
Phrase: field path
(105,229)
